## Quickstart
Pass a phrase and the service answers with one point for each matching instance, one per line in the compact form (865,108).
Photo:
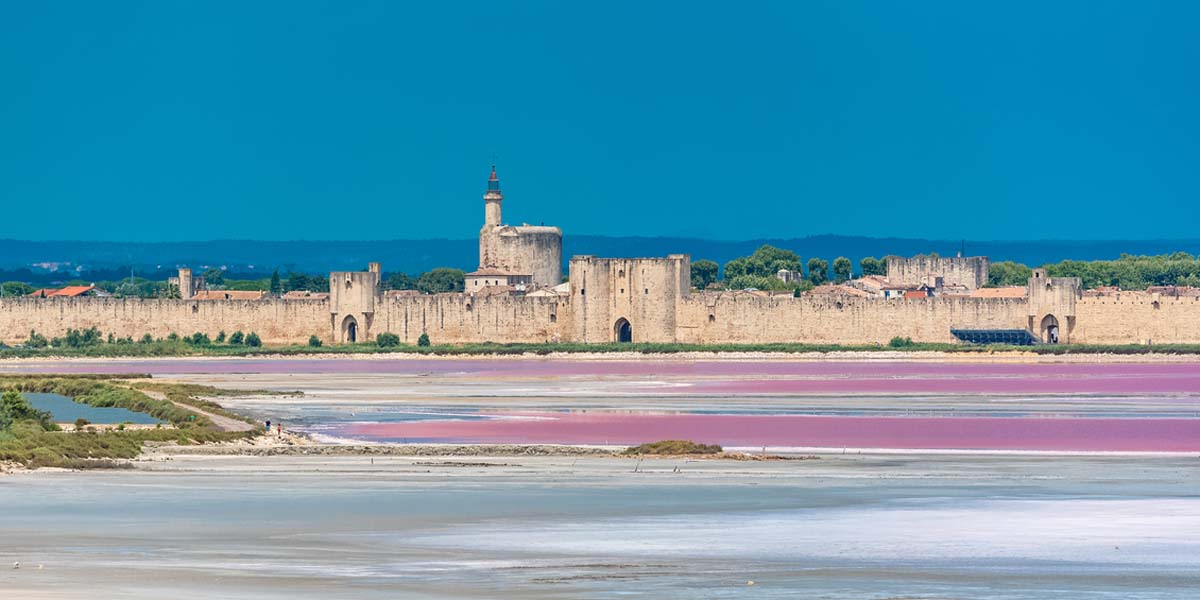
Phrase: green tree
(818,271)
(297,282)
(400,281)
(1006,273)
(704,272)
(441,279)
(14,408)
(252,340)
(276,284)
(872,266)
(314,341)
(214,276)
(423,341)
(237,339)
(765,262)
(843,270)
(387,340)
(16,288)
(36,340)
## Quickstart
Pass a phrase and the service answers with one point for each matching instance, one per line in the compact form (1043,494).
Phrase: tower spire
(492,199)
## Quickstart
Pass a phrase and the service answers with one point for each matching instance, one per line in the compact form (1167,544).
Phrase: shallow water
(846,526)
(1128,407)
(839,528)
(66,410)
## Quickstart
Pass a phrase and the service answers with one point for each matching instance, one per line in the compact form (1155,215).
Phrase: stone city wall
(639,295)
(725,317)
(462,318)
(1137,318)
(969,271)
(275,321)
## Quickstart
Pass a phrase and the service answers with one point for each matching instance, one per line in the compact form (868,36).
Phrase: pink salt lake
(1177,384)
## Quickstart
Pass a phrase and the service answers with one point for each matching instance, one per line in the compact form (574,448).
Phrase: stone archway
(623,331)
(349,329)
(1049,332)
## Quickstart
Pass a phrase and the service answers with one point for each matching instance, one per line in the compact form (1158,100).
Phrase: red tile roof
(70,291)
(915,294)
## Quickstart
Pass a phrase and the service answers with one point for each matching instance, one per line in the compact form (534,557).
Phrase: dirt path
(222,422)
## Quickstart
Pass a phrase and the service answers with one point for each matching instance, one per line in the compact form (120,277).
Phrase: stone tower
(514,254)
(492,199)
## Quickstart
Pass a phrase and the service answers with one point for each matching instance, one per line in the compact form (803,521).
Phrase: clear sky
(377,120)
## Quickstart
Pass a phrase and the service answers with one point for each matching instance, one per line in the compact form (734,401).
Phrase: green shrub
(315,342)
(391,340)
(221,337)
(36,340)
(81,422)
(673,447)
(423,341)
(237,339)
(14,409)
(900,342)
(252,340)
(147,339)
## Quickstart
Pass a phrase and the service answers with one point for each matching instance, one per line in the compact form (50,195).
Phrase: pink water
(846,385)
(1061,434)
(718,377)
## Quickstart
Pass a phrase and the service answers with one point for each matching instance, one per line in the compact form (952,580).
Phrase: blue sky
(377,120)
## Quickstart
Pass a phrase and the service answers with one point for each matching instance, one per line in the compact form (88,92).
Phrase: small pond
(66,410)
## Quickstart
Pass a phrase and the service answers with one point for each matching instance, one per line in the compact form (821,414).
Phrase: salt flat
(919,524)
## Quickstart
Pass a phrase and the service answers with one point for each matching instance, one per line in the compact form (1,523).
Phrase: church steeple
(492,200)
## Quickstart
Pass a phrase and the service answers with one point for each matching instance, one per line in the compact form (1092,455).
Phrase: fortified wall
(621,300)
(647,300)
(447,318)
(970,272)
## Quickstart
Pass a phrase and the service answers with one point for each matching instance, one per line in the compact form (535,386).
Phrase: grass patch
(176,348)
(190,394)
(673,448)
(34,445)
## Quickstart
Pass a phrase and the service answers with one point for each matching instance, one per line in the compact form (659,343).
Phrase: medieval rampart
(276,321)
(970,272)
(724,317)
(1137,318)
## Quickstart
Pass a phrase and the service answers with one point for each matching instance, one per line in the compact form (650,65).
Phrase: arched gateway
(1049,330)
(623,331)
(349,330)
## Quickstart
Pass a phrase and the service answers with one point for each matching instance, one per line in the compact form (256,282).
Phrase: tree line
(759,270)
(430,282)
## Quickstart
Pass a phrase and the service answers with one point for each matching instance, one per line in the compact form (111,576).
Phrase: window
(712,318)
(647,291)
(582,291)
(622,290)
(553,318)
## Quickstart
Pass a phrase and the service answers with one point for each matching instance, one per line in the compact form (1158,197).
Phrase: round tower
(492,200)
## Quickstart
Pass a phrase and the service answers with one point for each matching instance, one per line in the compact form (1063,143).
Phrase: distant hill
(103,259)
